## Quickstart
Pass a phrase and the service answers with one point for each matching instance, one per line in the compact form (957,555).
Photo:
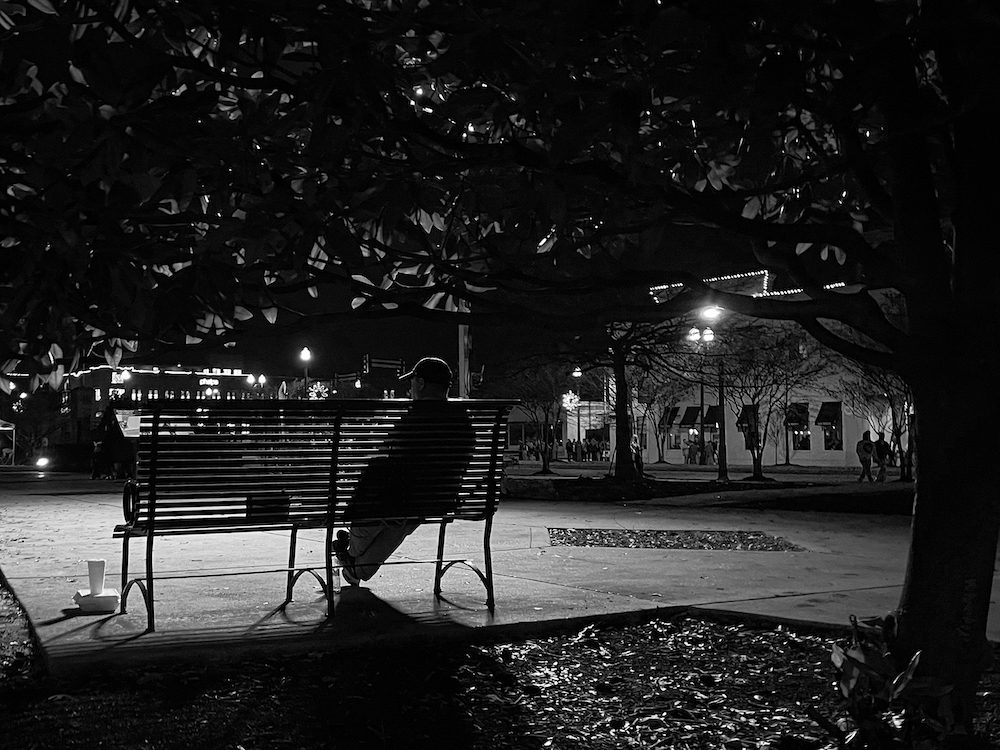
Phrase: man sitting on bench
(401,476)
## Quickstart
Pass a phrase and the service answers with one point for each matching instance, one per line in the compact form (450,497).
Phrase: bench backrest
(236,464)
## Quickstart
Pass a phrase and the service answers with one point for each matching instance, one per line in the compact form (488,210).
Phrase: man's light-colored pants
(371,545)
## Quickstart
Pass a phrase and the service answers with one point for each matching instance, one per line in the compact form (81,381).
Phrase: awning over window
(691,416)
(713,415)
(797,415)
(747,420)
(829,413)
(670,416)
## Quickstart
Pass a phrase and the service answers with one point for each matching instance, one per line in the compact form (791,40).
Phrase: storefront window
(831,420)
(832,440)
(801,440)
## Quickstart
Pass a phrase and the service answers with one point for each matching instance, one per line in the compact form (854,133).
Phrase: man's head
(430,378)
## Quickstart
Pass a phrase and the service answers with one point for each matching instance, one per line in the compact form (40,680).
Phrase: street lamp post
(702,458)
(703,337)
(577,373)
(305,355)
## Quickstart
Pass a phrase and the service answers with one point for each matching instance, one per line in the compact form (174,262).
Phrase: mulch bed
(654,539)
(681,684)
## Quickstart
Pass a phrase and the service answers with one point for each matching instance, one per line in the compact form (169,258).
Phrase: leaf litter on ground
(682,683)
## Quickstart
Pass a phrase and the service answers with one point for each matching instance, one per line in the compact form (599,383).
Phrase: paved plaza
(849,563)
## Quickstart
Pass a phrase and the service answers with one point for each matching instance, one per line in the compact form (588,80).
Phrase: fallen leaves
(682,684)
(754,541)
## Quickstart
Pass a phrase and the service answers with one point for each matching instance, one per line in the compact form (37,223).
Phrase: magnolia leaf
(358,302)
(270,314)
(313,292)
(241,313)
(43,5)
(824,253)
(361,279)
(903,679)
(802,247)
(389,305)
(113,356)
(699,186)
(434,300)
(189,339)
(752,208)
(55,378)
(840,255)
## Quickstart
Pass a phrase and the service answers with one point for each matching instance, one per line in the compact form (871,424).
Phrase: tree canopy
(175,168)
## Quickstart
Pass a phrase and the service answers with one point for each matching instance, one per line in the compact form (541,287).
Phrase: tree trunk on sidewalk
(624,463)
(945,601)
(953,367)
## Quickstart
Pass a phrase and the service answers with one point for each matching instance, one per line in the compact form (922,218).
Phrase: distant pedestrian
(710,451)
(637,457)
(882,455)
(692,452)
(98,461)
(866,452)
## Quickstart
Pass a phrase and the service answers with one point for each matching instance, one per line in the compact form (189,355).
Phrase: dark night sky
(340,347)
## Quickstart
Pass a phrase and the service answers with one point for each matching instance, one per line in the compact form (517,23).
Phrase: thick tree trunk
(545,449)
(953,370)
(624,465)
(946,596)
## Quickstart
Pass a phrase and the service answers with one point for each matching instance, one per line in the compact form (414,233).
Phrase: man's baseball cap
(431,369)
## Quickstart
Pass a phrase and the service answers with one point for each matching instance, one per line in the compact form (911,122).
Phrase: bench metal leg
(148,592)
(329,571)
(290,580)
(439,563)
(121,609)
(144,586)
(490,601)
(486,577)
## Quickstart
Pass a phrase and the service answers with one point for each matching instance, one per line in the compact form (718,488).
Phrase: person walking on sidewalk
(866,452)
(882,453)
(402,473)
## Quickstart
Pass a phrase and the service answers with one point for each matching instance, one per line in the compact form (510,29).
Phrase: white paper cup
(96,570)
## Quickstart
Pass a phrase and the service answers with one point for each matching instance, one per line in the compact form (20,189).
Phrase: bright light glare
(708,335)
(710,313)
(42,462)
(577,373)
(305,355)
(250,379)
(694,334)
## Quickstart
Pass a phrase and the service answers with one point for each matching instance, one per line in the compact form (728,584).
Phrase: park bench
(208,467)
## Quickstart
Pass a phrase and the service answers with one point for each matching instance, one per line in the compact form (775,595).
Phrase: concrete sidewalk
(49,528)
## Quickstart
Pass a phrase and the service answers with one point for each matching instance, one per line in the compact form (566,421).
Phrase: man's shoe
(340,548)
